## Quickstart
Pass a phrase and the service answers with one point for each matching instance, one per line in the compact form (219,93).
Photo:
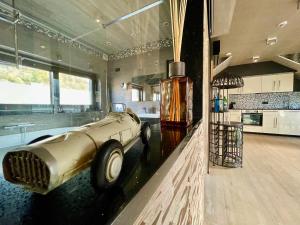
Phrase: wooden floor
(266,191)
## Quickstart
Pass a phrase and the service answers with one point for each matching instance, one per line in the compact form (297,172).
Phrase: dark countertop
(268,109)
(75,202)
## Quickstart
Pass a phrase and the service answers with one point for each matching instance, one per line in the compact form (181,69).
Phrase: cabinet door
(268,83)
(235,116)
(234,91)
(254,129)
(289,122)
(270,122)
(252,85)
(285,82)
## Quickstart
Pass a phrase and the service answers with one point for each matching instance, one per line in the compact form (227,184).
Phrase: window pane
(74,90)
(136,95)
(24,85)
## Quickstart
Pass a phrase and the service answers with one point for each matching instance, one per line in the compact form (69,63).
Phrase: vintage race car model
(46,164)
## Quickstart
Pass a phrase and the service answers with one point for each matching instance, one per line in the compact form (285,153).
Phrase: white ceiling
(256,20)
(78,17)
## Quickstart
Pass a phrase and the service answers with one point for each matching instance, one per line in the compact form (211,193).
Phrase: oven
(252,117)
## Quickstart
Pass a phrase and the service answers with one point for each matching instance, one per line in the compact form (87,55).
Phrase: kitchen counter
(270,121)
(268,109)
(75,202)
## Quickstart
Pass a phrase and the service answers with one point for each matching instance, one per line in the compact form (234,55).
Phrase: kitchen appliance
(252,117)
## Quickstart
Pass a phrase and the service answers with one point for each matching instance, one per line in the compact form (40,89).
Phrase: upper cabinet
(283,82)
(252,85)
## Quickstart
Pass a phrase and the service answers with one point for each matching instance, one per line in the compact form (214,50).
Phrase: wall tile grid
(180,197)
(283,100)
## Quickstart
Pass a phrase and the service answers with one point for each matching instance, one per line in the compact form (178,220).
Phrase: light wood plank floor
(266,191)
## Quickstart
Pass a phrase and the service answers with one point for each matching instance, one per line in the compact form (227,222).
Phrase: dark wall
(260,68)
(192,51)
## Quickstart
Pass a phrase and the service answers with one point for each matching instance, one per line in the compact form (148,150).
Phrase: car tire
(107,165)
(40,139)
(145,133)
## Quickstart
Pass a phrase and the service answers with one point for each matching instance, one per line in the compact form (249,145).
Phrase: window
(24,85)
(75,90)
(137,94)
(156,96)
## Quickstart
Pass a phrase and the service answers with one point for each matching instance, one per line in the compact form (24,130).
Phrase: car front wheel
(107,165)
(145,133)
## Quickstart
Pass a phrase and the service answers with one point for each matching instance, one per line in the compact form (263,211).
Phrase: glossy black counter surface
(75,202)
(279,109)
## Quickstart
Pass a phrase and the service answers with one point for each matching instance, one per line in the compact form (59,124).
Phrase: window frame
(91,90)
(53,69)
(33,68)
(140,91)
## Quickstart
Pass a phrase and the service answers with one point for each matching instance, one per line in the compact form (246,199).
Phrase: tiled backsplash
(282,100)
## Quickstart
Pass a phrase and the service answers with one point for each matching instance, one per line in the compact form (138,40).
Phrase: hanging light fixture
(227,80)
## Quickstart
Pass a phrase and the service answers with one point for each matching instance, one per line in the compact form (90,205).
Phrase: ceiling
(78,18)
(253,22)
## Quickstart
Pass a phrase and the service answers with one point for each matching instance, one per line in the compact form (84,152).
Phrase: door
(235,116)
(252,85)
(270,122)
(285,82)
(268,83)
(282,82)
(235,91)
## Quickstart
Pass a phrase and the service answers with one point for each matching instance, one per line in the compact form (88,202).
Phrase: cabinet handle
(274,122)
(274,83)
(279,85)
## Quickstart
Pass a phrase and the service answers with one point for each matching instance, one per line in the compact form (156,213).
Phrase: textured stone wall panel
(179,198)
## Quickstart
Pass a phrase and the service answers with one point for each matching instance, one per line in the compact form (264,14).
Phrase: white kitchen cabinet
(235,115)
(283,82)
(235,91)
(269,83)
(289,122)
(270,122)
(254,129)
(252,85)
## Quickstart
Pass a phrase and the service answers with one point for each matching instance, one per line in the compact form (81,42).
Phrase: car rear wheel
(107,165)
(145,133)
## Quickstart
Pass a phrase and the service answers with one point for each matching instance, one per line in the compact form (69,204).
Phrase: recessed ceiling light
(59,58)
(283,24)
(43,46)
(107,43)
(228,54)
(166,24)
(271,41)
(255,58)
(98,20)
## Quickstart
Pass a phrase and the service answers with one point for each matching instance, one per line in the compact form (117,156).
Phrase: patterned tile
(282,100)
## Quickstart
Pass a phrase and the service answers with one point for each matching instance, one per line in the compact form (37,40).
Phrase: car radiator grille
(24,167)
